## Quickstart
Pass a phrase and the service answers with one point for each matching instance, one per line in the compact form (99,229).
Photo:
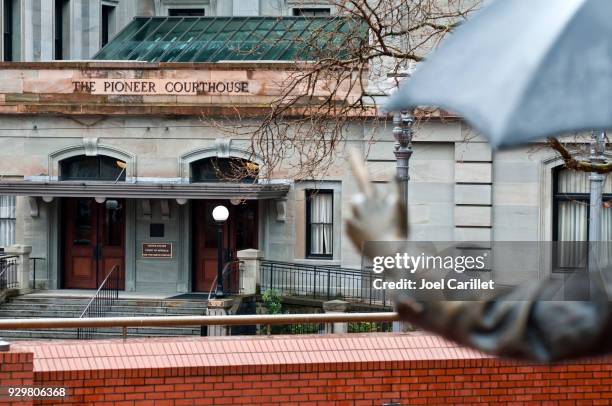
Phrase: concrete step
(98,333)
(32,306)
(172,303)
(33,315)
(44,315)
(12,307)
(29,306)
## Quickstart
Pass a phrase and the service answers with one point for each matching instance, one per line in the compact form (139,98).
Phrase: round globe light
(220,214)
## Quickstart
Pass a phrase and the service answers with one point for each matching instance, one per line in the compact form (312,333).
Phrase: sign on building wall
(156,250)
(131,87)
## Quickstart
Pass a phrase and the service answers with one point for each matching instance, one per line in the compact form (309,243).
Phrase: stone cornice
(125,190)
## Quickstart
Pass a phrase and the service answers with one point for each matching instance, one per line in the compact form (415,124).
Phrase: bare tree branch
(307,123)
(572,163)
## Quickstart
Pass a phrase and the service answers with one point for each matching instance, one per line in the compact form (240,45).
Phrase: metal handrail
(223,273)
(102,286)
(34,261)
(102,301)
(6,267)
(3,270)
(173,321)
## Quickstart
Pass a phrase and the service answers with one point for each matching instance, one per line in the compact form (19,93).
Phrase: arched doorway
(93,229)
(240,231)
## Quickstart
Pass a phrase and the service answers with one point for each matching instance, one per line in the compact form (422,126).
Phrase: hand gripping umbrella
(520,70)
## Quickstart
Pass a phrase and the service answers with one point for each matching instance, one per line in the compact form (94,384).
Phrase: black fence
(102,302)
(9,278)
(323,282)
(331,328)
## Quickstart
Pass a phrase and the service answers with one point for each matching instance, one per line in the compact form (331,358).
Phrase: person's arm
(532,329)
(518,324)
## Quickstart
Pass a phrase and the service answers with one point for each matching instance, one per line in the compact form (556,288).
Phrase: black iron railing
(323,282)
(102,301)
(9,278)
(230,279)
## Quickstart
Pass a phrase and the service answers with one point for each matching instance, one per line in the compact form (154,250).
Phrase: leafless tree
(342,70)
(342,67)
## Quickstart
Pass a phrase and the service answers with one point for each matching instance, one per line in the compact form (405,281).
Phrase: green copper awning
(214,39)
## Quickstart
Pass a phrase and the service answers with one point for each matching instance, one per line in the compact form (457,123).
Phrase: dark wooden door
(239,232)
(111,244)
(94,242)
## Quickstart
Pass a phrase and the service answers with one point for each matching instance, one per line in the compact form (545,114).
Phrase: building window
(99,167)
(186,12)
(7,221)
(311,12)
(571,216)
(224,170)
(571,208)
(320,223)
(11,22)
(108,23)
(60,28)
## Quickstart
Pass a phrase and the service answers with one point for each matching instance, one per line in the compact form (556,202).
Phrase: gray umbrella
(522,69)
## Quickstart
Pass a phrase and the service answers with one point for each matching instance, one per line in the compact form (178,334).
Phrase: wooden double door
(240,231)
(93,242)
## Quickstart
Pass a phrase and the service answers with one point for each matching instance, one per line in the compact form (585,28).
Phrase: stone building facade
(105,177)
(44,30)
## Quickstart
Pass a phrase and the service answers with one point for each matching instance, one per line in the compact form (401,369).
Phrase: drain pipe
(5,346)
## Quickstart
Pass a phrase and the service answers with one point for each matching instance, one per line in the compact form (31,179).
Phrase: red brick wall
(487,381)
(368,369)
(16,370)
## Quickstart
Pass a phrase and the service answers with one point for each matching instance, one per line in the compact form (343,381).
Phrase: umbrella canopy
(521,70)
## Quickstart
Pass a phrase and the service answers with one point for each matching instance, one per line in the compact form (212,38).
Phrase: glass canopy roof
(214,39)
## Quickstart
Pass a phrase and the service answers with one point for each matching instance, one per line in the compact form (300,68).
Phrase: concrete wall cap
(336,306)
(18,249)
(250,253)
(221,303)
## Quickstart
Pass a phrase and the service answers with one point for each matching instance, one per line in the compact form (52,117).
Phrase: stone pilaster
(250,275)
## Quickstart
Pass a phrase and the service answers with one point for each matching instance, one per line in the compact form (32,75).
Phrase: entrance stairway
(34,306)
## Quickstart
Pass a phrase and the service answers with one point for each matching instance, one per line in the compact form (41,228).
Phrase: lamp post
(402,132)
(220,215)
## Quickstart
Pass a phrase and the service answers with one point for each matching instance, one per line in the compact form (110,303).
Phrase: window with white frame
(7,221)
(571,206)
(571,216)
(320,223)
